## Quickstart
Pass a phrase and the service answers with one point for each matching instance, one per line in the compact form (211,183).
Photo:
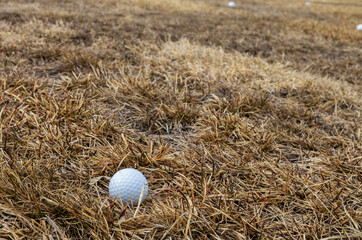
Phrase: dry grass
(246,121)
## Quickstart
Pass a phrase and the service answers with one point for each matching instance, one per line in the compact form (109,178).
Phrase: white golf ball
(307,3)
(127,185)
(231,4)
(359,27)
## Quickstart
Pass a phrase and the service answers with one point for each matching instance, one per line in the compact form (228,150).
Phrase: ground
(246,121)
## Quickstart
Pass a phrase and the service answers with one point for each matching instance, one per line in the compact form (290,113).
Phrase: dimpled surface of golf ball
(127,185)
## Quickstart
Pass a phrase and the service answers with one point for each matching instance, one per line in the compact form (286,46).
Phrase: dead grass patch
(244,131)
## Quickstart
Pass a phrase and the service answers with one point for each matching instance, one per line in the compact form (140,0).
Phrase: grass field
(246,121)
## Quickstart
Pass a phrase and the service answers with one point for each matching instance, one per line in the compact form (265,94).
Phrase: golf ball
(127,185)
(231,4)
(359,27)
